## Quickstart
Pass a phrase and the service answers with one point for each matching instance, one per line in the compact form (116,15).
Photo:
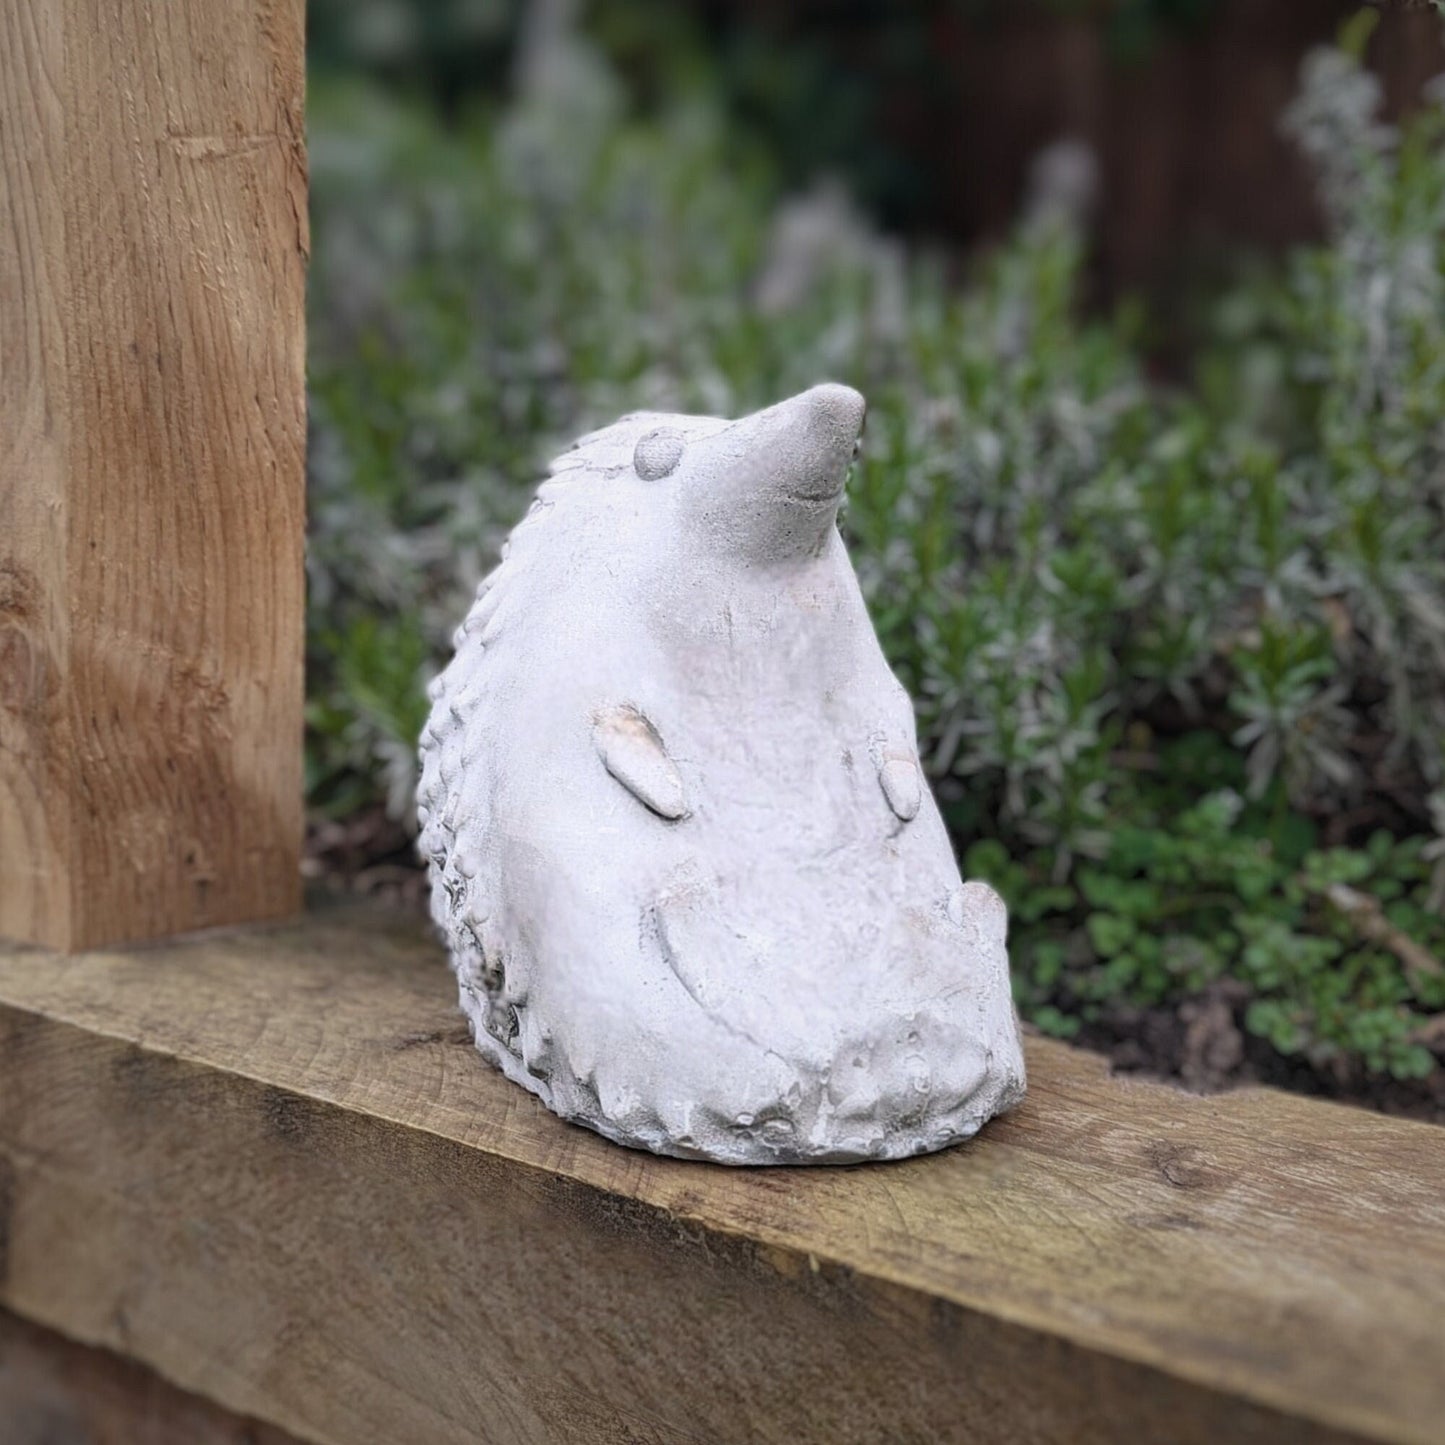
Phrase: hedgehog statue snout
(696,891)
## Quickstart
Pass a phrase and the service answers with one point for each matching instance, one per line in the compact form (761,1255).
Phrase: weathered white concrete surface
(697,893)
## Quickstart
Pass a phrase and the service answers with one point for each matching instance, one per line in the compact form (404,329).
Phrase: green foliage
(1179,659)
(1219,888)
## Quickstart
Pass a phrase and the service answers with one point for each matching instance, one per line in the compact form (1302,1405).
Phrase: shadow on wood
(55,1392)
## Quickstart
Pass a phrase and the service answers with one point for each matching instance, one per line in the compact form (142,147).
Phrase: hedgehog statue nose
(784,470)
(839,411)
(697,893)
(833,424)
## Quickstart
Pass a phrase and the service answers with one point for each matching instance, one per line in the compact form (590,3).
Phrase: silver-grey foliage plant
(1074,572)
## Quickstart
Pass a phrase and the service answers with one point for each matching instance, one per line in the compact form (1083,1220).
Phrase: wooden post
(152,437)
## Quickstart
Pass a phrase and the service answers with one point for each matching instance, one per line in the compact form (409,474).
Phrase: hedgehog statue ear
(658,453)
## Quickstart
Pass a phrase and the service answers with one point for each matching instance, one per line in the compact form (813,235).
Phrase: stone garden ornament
(697,893)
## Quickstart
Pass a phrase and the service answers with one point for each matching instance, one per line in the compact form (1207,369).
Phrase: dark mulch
(367,855)
(1201,1043)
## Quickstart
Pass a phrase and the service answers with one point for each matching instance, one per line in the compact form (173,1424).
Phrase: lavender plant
(1179,658)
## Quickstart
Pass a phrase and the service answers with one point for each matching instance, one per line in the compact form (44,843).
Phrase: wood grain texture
(270,1165)
(56,1392)
(152,429)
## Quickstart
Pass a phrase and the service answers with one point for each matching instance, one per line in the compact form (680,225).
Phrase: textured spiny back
(593,460)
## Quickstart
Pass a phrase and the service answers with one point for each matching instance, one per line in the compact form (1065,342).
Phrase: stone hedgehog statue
(697,894)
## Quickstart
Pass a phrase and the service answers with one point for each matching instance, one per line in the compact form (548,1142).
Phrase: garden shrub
(1178,654)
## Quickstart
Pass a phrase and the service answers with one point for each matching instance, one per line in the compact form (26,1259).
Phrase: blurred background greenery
(1148,300)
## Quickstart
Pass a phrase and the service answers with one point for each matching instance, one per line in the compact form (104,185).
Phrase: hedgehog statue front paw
(697,894)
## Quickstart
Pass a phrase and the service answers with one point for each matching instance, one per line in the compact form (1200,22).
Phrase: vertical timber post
(153,241)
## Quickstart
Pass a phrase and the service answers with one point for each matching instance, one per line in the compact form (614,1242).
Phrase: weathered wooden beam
(152,430)
(56,1392)
(269,1165)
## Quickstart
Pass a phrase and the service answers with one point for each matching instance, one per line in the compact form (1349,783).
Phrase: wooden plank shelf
(267,1165)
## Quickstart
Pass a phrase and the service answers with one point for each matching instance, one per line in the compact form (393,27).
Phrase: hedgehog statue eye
(657,454)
